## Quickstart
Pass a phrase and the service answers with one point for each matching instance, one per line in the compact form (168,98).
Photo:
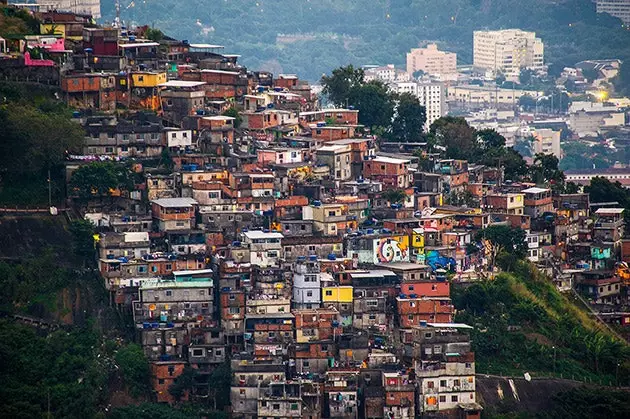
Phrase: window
(309,293)
(235,310)
(456,383)
(410,287)
(197,352)
(161,381)
(454,399)
(329,293)
(232,297)
(169,293)
(430,384)
(442,383)
(442,399)
(275,406)
(202,292)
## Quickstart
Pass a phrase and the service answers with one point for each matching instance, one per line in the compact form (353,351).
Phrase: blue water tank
(201,112)
(312,258)
(76,114)
(321,124)
(413,296)
(370,231)
(132,38)
(317,203)
(423,323)
(332,256)
(301,258)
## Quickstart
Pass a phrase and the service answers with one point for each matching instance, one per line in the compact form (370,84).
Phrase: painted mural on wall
(391,249)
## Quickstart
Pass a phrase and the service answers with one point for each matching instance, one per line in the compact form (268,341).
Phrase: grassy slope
(584,349)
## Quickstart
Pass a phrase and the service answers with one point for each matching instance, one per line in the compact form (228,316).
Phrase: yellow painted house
(147,79)
(340,294)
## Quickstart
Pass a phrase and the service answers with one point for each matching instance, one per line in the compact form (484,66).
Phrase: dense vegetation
(523,324)
(37,131)
(330,33)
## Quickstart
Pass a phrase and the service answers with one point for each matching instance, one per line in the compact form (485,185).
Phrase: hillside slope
(331,33)
(523,324)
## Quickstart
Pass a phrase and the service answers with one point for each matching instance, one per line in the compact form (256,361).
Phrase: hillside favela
(314,209)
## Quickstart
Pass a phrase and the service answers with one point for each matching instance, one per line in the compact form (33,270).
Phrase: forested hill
(323,34)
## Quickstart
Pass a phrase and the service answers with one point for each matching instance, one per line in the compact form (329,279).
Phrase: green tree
(34,141)
(501,238)
(455,135)
(337,86)
(98,179)
(409,118)
(83,244)
(219,385)
(394,196)
(374,102)
(183,383)
(234,113)
(155,35)
(134,368)
(622,81)
(525,77)
(545,170)
(524,146)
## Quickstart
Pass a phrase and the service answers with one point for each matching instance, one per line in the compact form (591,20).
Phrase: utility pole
(49,190)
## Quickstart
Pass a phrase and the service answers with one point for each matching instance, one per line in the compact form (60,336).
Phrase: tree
(375,104)
(525,77)
(394,196)
(524,146)
(337,86)
(490,139)
(545,170)
(134,368)
(500,79)
(418,74)
(622,80)
(409,119)
(234,113)
(514,166)
(99,179)
(527,103)
(83,240)
(34,141)
(154,35)
(501,238)
(455,136)
(183,383)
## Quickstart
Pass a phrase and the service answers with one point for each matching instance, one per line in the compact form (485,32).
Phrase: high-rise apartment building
(507,51)
(616,8)
(431,61)
(430,94)
(86,7)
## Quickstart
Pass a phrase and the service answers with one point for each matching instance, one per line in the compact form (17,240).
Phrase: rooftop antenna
(117,19)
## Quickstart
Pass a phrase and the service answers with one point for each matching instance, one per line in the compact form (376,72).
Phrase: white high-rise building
(507,51)
(84,7)
(430,94)
(616,8)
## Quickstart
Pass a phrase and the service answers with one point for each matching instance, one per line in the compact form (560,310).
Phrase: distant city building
(86,7)
(616,8)
(431,95)
(507,51)
(546,141)
(431,61)
(385,73)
